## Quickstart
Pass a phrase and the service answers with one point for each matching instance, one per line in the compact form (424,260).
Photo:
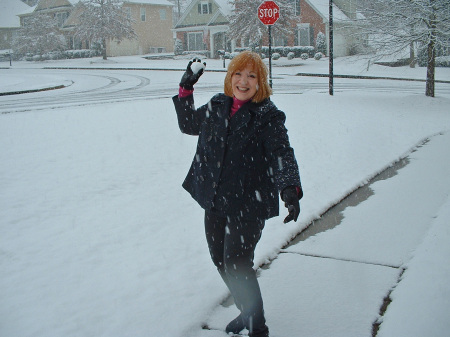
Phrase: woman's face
(244,83)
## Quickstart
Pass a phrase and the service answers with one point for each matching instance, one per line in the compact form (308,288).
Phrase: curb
(129,68)
(370,77)
(34,90)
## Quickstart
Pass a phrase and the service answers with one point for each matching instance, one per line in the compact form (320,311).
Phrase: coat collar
(257,108)
(244,114)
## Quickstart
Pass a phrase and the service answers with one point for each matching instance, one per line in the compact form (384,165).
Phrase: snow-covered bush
(57,55)
(278,50)
(276,56)
(290,55)
(93,53)
(304,56)
(321,43)
(240,49)
(263,56)
(443,61)
(318,56)
(299,50)
(178,50)
(202,53)
(232,55)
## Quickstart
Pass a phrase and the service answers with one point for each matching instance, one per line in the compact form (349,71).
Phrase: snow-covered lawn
(97,237)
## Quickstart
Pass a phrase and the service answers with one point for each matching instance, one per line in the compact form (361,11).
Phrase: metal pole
(224,49)
(330,46)
(270,56)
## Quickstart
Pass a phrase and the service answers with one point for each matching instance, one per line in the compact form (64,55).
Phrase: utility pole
(330,46)
(270,56)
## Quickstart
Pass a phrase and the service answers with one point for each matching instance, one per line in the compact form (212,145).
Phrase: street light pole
(330,46)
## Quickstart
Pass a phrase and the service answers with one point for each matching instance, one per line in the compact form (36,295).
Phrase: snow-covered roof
(225,6)
(322,7)
(51,4)
(151,2)
(9,9)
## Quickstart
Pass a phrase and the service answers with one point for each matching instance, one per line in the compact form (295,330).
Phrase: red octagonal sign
(268,12)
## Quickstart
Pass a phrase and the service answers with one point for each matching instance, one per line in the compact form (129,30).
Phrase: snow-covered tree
(180,6)
(39,35)
(396,25)
(321,43)
(246,26)
(103,20)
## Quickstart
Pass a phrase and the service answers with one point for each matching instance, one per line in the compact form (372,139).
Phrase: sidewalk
(391,247)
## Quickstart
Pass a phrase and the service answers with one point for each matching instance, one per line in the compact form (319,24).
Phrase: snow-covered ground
(97,237)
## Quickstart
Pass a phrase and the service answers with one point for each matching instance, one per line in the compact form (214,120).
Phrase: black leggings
(232,245)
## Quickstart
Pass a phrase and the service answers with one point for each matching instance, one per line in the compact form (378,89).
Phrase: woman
(243,160)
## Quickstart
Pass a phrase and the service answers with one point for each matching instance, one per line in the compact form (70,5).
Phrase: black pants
(232,245)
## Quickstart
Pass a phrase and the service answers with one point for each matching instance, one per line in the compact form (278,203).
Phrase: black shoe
(261,332)
(236,325)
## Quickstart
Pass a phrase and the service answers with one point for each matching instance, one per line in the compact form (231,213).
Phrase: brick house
(152,23)
(203,25)
(314,16)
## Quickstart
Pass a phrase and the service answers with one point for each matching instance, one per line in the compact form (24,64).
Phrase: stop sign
(268,12)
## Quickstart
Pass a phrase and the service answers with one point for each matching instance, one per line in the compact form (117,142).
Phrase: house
(152,23)
(9,20)
(314,16)
(203,26)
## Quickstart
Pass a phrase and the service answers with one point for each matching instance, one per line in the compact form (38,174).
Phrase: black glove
(292,202)
(189,78)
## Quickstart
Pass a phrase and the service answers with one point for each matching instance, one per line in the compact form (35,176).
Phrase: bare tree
(396,25)
(180,5)
(246,26)
(103,20)
(39,35)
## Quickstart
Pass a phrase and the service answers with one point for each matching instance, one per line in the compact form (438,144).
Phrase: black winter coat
(241,163)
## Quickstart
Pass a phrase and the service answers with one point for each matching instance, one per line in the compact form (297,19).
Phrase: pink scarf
(236,105)
(234,108)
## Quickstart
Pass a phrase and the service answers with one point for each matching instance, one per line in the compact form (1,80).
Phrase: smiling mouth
(243,89)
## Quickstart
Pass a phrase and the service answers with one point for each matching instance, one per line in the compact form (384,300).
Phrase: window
(296,5)
(162,14)
(195,41)
(61,18)
(143,14)
(205,7)
(305,35)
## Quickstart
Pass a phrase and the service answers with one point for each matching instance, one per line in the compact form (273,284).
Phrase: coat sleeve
(189,118)
(279,152)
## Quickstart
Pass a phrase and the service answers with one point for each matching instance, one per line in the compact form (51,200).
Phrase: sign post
(269,13)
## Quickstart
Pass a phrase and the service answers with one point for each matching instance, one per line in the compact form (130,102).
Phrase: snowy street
(88,83)
(98,238)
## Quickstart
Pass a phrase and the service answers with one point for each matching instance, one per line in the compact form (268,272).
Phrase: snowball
(196,66)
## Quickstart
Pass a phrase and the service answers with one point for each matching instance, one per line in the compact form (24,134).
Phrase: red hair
(242,61)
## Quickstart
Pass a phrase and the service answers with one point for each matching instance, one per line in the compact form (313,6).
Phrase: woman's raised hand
(292,203)
(194,70)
